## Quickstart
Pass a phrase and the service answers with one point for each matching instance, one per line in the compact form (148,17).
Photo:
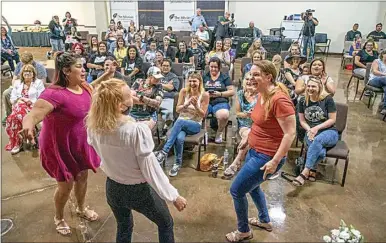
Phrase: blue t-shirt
(220,85)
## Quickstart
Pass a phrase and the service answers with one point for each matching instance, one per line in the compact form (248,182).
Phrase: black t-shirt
(365,57)
(169,53)
(377,35)
(309,26)
(219,85)
(316,113)
(185,56)
(200,52)
(98,59)
(130,64)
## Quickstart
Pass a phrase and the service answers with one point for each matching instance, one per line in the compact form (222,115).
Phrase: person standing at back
(197,20)
(309,34)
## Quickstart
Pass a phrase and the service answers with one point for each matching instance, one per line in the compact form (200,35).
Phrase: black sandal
(296,182)
(312,176)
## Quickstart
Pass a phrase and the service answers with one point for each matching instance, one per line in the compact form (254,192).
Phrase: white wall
(335,18)
(25,13)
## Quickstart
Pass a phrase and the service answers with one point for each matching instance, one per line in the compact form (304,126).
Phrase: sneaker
(218,138)
(161,156)
(274,176)
(48,55)
(383,111)
(368,93)
(174,170)
(15,150)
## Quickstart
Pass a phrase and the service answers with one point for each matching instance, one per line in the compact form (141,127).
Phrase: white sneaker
(218,138)
(15,150)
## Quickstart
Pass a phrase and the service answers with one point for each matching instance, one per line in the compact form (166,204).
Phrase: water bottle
(226,158)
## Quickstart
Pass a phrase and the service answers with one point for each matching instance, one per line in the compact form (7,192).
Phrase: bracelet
(220,94)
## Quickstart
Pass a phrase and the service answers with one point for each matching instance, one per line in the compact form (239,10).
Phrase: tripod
(305,19)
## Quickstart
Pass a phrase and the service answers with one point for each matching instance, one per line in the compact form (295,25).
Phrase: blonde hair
(248,74)
(26,58)
(268,68)
(196,75)
(321,88)
(104,113)
(253,53)
(28,67)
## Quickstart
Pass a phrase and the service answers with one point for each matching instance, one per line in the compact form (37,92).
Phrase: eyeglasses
(27,71)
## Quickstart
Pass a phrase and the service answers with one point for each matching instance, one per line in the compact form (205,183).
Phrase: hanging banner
(178,14)
(124,11)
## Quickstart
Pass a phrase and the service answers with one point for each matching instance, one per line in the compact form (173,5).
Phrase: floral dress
(14,122)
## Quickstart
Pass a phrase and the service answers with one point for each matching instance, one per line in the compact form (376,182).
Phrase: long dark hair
(137,55)
(63,60)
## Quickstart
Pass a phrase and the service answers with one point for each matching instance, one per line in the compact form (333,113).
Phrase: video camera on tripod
(307,13)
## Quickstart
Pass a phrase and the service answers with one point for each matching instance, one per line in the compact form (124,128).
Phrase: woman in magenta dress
(64,151)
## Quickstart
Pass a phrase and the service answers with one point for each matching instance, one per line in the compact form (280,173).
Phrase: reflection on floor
(298,214)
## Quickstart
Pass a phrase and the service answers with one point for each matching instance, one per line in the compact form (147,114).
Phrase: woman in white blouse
(24,94)
(135,180)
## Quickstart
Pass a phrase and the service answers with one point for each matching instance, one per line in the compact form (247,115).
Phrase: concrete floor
(298,214)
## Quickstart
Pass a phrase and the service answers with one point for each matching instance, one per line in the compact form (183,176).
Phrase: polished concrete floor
(298,214)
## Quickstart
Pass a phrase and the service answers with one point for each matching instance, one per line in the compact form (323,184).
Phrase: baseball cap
(155,72)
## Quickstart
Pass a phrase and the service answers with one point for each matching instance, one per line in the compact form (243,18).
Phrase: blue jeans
(122,199)
(309,41)
(111,44)
(317,149)
(10,58)
(248,180)
(180,129)
(380,82)
(212,109)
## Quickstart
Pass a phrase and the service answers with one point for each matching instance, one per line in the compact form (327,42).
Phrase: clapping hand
(194,101)
(180,203)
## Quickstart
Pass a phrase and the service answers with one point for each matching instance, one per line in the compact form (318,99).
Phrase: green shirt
(350,36)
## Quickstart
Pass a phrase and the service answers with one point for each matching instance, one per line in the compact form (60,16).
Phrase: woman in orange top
(272,132)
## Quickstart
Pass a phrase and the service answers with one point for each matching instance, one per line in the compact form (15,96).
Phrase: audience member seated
(142,32)
(121,31)
(41,74)
(294,50)
(96,61)
(192,106)
(292,73)
(318,69)
(184,55)
(256,46)
(141,46)
(256,32)
(199,52)
(150,55)
(172,36)
(151,35)
(220,90)
(130,37)
(256,57)
(93,46)
(170,85)
(121,51)
(110,71)
(111,38)
(306,69)
(132,64)
(159,58)
(167,49)
(277,60)
(377,34)
(317,114)
(353,34)
(26,91)
(202,36)
(37,28)
(228,48)
(355,47)
(78,48)
(147,98)
(72,38)
(218,51)
(244,104)
(378,76)
(364,56)
(8,50)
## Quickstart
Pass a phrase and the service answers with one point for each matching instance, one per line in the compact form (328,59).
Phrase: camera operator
(309,33)
(222,28)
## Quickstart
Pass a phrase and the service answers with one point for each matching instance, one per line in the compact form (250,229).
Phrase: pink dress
(64,150)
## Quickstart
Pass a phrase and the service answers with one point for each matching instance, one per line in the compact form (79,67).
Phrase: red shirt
(266,134)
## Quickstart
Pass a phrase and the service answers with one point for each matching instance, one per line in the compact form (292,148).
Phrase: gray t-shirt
(176,83)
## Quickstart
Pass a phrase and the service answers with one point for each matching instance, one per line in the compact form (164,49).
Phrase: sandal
(312,176)
(237,236)
(296,182)
(63,230)
(257,223)
(87,214)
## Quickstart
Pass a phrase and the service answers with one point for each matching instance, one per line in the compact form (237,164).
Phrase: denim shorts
(57,44)
(219,106)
